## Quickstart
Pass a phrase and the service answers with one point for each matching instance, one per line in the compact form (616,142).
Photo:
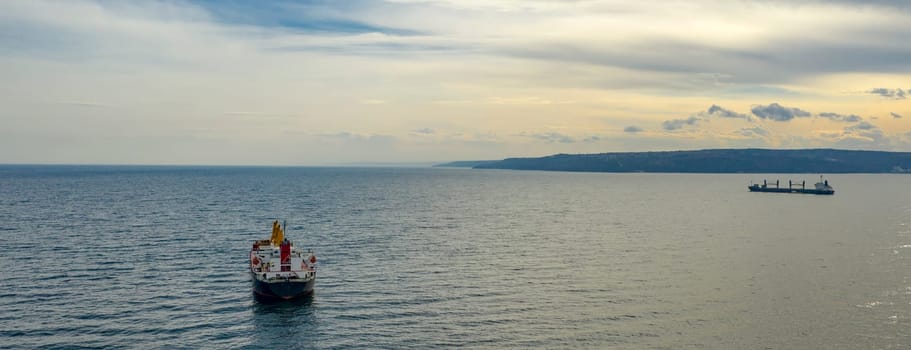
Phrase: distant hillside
(465,163)
(829,161)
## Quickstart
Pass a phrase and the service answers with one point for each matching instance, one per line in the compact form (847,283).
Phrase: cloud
(367,138)
(754,52)
(830,134)
(425,131)
(754,131)
(761,90)
(841,117)
(895,94)
(778,112)
(720,112)
(861,3)
(861,126)
(85,104)
(863,135)
(321,17)
(323,66)
(552,137)
(675,124)
(244,114)
(895,115)
(716,110)
(592,139)
(523,100)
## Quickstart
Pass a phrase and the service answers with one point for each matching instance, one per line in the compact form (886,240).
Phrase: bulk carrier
(821,187)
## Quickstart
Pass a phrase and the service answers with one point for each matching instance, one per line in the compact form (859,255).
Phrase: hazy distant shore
(830,161)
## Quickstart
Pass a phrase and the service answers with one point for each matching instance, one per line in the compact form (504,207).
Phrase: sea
(156,257)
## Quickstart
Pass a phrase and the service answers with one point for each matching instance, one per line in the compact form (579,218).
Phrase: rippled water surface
(155,257)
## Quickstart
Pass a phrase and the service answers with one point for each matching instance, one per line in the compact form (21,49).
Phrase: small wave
(872,304)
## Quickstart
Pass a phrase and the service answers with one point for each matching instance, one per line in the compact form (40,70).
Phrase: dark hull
(757,188)
(283,289)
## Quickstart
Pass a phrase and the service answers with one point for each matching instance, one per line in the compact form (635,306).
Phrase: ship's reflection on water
(261,301)
(285,323)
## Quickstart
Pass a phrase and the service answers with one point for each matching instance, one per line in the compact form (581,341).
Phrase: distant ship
(280,269)
(821,187)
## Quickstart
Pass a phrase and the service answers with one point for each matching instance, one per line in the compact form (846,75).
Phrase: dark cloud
(841,117)
(895,94)
(426,131)
(553,137)
(778,112)
(895,115)
(674,124)
(718,111)
(592,139)
(633,129)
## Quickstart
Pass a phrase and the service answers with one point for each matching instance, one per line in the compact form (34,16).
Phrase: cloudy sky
(327,82)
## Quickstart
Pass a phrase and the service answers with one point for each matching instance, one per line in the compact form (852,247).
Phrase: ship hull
(283,289)
(756,188)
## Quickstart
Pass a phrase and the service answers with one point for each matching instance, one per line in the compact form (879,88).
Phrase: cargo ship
(821,187)
(281,270)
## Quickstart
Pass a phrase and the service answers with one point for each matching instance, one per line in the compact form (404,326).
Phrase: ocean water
(156,257)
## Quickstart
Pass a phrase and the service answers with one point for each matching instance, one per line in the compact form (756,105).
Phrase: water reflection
(285,323)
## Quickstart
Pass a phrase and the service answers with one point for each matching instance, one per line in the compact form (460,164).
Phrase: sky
(423,81)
